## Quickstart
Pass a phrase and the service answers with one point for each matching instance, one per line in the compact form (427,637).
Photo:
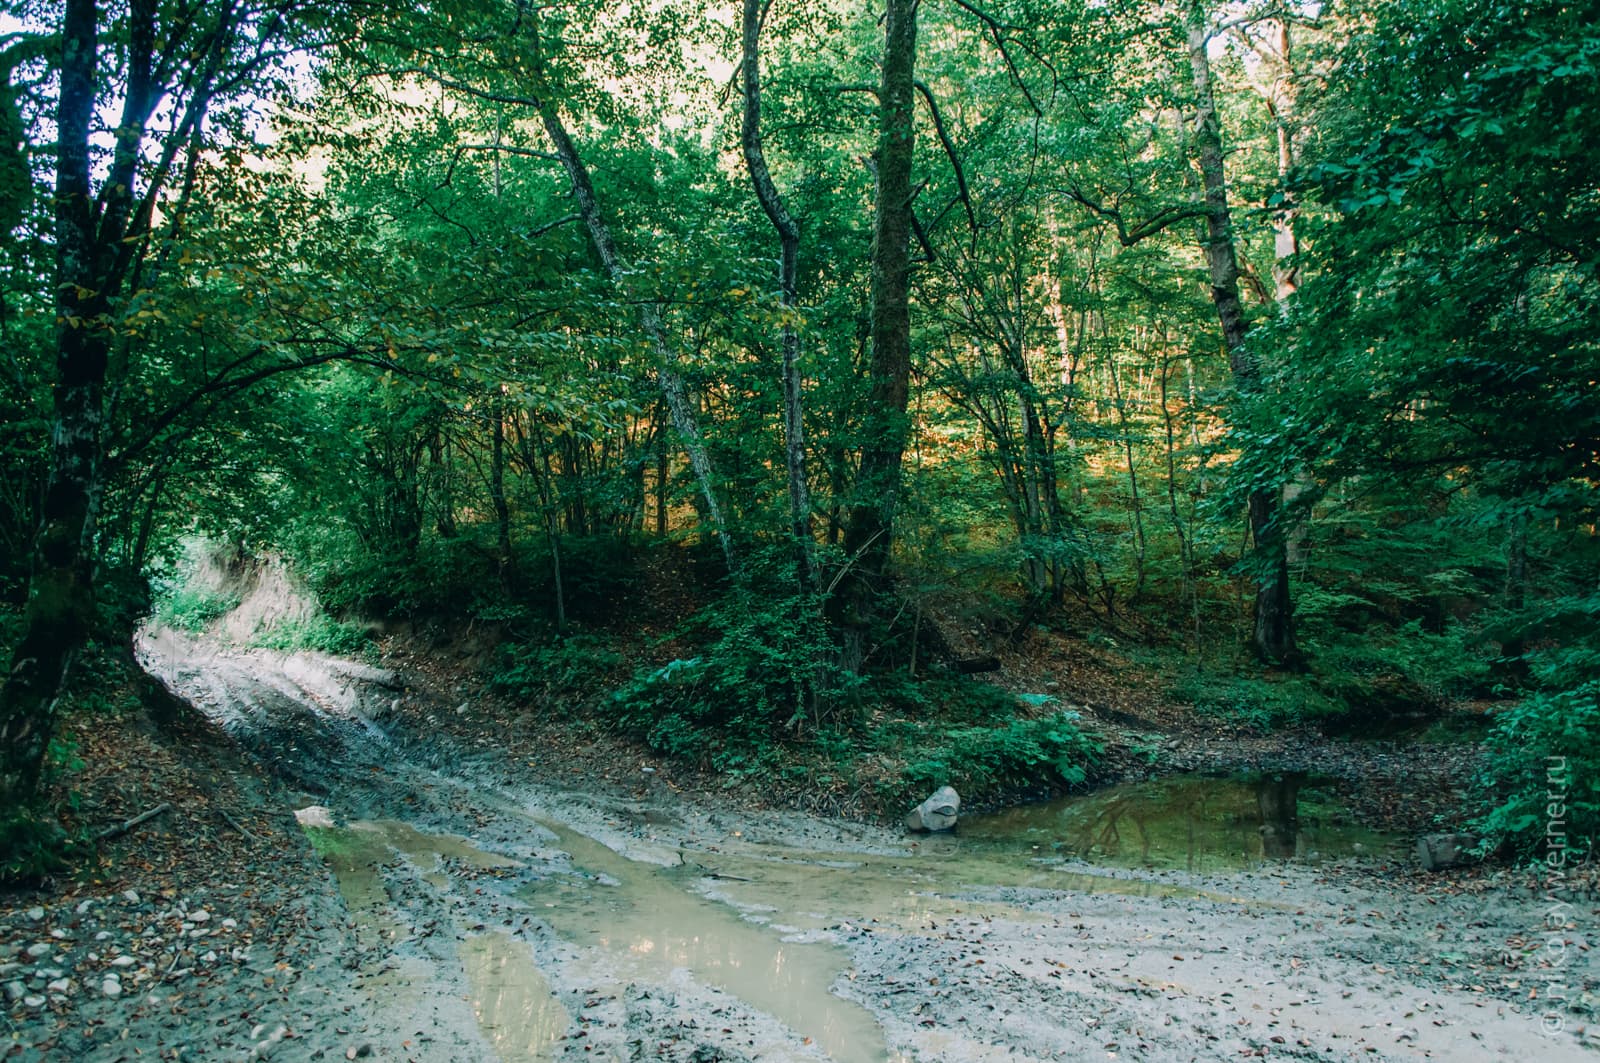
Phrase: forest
(757,378)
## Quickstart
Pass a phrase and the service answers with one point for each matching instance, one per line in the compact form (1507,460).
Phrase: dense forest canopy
(1261,335)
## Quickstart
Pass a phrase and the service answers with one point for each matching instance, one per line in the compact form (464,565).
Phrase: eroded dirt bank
(487,908)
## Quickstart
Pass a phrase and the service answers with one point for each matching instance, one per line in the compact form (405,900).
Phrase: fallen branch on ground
(124,827)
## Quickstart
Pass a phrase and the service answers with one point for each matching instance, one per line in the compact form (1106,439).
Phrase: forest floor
(513,890)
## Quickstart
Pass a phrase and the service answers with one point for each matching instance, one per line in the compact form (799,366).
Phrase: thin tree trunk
(673,391)
(1273,630)
(788,272)
(497,488)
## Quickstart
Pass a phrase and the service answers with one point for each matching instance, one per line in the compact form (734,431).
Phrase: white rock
(131,896)
(111,988)
(59,934)
(15,991)
(35,915)
(39,951)
(104,935)
(60,985)
(230,924)
(33,1001)
(124,961)
(939,812)
(84,906)
(202,916)
(210,957)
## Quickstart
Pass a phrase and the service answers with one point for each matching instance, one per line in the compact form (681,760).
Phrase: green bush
(32,848)
(756,680)
(1022,755)
(1261,704)
(1544,755)
(569,669)
(193,609)
(319,632)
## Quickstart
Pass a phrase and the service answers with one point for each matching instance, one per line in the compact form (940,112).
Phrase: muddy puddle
(650,923)
(745,918)
(1193,822)
(519,1015)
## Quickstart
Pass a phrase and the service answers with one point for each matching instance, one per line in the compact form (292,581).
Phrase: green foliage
(193,608)
(1020,756)
(556,674)
(756,679)
(33,847)
(1544,773)
(1261,704)
(319,632)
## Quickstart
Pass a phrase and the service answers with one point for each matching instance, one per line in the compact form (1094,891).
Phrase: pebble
(124,961)
(84,906)
(202,916)
(230,924)
(111,987)
(104,935)
(33,1001)
(131,896)
(60,935)
(35,915)
(38,952)
(15,991)
(60,985)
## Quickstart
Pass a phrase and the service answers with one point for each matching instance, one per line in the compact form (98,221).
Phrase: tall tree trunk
(788,272)
(886,428)
(61,595)
(1273,628)
(673,391)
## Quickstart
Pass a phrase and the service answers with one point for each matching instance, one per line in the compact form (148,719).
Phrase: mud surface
(480,911)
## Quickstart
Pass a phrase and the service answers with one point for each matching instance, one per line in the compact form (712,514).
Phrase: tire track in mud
(539,924)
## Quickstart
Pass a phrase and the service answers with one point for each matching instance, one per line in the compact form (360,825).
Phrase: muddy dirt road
(495,916)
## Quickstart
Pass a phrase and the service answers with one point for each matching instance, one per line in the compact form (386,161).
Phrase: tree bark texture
(788,282)
(1273,629)
(886,428)
(61,589)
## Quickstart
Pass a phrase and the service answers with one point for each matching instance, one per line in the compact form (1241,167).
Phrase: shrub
(756,679)
(1261,704)
(1544,757)
(191,608)
(1022,755)
(319,632)
(32,848)
(569,669)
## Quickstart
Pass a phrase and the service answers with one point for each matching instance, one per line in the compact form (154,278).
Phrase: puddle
(1190,822)
(356,852)
(515,1008)
(648,920)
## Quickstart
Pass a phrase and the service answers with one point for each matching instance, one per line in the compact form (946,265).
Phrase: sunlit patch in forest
(1193,822)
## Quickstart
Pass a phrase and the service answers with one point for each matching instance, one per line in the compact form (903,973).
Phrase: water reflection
(1198,823)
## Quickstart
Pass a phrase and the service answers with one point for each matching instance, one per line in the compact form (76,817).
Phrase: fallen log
(119,829)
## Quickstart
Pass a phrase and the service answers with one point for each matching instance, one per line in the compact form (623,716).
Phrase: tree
(1273,628)
(788,282)
(160,60)
(885,428)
